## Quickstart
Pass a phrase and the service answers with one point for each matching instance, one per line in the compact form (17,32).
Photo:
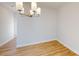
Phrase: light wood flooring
(8,49)
(52,48)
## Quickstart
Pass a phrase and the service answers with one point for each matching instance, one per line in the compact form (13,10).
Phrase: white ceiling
(11,5)
(52,4)
(45,4)
(49,4)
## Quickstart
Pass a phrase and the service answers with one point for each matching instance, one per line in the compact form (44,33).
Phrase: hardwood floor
(52,48)
(8,49)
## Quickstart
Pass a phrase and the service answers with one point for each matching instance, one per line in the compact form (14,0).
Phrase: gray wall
(36,29)
(6,24)
(68,25)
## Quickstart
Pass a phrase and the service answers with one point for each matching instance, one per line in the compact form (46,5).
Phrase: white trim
(35,43)
(68,46)
(6,41)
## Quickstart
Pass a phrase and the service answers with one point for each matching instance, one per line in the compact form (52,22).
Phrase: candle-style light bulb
(19,6)
(33,6)
(31,12)
(38,11)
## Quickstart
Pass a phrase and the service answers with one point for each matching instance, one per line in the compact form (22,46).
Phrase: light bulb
(31,12)
(38,11)
(19,6)
(33,6)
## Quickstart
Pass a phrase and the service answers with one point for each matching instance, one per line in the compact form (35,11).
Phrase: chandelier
(34,11)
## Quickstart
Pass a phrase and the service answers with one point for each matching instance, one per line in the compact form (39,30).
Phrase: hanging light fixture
(34,11)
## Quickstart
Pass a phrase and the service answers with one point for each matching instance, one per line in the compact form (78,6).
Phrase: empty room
(39,28)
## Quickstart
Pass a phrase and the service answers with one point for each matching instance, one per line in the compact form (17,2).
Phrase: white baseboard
(35,43)
(68,47)
(6,41)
